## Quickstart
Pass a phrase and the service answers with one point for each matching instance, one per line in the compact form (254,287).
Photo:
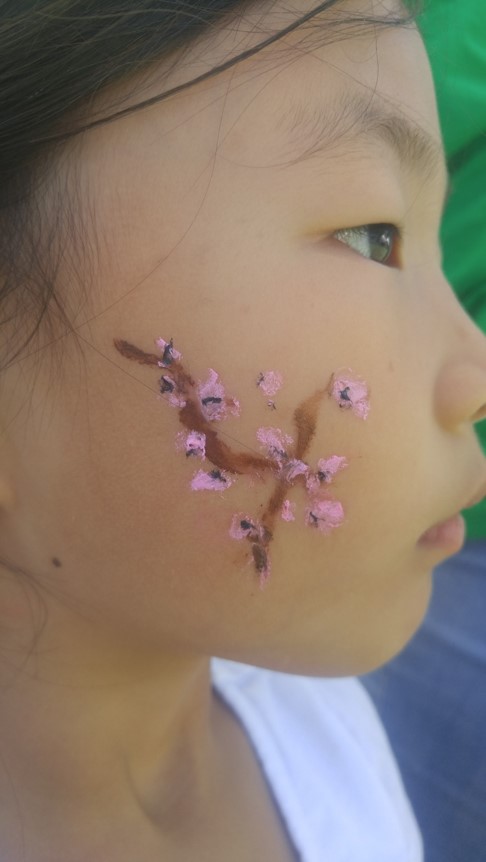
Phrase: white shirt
(327,761)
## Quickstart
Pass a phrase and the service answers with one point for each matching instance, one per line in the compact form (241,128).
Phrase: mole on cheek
(202,406)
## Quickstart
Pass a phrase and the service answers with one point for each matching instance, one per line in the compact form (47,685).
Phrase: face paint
(214,403)
(245,527)
(324,515)
(169,354)
(351,393)
(192,443)
(292,469)
(262,563)
(216,480)
(168,388)
(270,382)
(288,511)
(326,470)
(203,404)
(276,443)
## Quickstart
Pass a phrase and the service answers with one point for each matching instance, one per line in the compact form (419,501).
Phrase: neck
(94,734)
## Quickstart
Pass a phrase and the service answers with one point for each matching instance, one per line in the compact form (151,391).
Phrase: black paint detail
(211,399)
(166,384)
(167,358)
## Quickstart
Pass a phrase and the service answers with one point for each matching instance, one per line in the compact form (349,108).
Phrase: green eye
(378,242)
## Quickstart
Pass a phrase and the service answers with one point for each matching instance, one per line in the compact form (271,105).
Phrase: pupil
(381,241)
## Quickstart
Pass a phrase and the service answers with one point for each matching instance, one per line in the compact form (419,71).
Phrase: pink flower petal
(215,405)
(216,480)
(245,527)
(193,443)
(351,393)
(326,470)
(275,442)
(324,515)
(288,511)
(169,353)
(270,382)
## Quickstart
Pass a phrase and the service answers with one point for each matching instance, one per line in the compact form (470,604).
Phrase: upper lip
(478,496)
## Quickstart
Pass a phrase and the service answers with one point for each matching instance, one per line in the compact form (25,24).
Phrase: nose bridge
(461,393)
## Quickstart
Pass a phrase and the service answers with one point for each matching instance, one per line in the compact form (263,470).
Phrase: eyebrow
(356,122)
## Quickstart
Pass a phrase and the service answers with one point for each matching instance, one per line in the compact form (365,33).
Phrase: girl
(237,404)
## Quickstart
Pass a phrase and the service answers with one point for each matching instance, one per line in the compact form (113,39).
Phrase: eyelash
(362,238)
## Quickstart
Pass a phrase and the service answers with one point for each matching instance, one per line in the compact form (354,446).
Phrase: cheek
(230,498)
(168,555)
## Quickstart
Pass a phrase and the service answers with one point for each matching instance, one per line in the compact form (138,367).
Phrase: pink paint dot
(245,527)
(270,382)
(169,353)
(324,515)
(215,480)
(215,405)
(233,406)
(275,442)
(241,526)
(351,393)
(193,443)
(326,470)
(288,511)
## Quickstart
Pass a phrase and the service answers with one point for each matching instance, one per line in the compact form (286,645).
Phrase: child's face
(209,232)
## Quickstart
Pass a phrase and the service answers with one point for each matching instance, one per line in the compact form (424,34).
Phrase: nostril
(460,394)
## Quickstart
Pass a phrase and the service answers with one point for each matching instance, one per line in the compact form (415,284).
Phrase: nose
(461,385)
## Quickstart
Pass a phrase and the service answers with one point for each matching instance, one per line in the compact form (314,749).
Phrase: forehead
(334,80)
(333,72)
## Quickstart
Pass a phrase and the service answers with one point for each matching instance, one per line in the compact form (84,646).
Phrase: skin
(202,236)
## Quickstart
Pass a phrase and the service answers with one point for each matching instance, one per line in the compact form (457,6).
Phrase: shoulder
(323,744)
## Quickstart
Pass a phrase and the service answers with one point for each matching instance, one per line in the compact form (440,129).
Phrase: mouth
(449,535)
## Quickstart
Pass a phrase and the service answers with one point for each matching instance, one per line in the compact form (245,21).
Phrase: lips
(449,534)
(478,497)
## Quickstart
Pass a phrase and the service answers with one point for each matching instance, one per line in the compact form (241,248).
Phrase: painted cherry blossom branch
(200,405)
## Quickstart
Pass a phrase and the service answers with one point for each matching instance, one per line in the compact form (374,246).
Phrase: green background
(455,37)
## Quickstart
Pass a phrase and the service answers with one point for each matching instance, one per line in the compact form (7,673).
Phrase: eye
(378,242)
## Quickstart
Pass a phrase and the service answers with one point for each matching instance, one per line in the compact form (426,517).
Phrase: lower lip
(449,535)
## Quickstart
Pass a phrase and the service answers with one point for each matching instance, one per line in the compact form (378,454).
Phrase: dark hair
(56,57)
